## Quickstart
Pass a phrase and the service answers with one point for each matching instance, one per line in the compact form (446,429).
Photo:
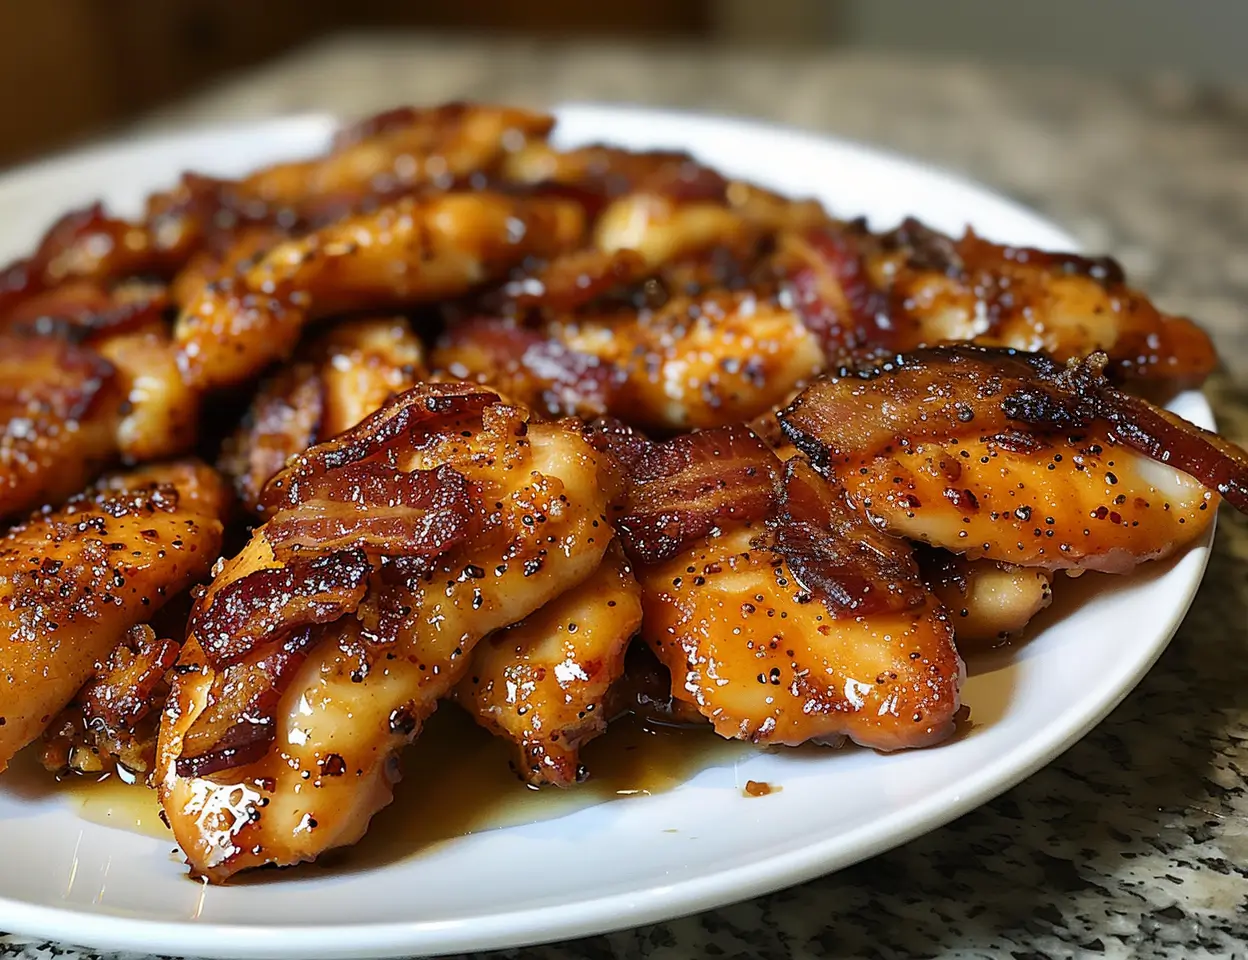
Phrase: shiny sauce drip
(458,781)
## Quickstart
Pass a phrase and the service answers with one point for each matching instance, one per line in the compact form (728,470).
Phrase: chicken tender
(543,683)
(75,580)
(319,651)
(413,251)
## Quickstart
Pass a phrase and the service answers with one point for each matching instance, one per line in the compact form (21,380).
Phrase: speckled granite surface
(1135,842)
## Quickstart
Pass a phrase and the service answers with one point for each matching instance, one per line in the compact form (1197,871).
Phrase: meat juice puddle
(459,782)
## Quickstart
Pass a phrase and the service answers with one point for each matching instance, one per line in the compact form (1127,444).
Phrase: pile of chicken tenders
(449,414)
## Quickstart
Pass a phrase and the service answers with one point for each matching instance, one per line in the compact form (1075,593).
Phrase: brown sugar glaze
(474,789)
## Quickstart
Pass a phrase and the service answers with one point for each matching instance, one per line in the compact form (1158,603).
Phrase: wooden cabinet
(71,68)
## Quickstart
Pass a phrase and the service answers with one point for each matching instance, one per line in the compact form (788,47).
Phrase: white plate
(636,859)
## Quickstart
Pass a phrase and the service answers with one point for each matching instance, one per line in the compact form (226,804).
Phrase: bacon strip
(246,613)
(693,484)
(240,720)
(384,512)
(528,365)
(121,693)
(832,551)
(408,417)
(574,279)
(833,293)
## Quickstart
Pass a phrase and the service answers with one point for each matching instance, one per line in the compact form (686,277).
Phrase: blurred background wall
(75,67)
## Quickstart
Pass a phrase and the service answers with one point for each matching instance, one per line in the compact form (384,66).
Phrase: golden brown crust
(409,252)
(1013,457)
(891,293)
(74,580)
(60,405)
(543,683)
(371,676)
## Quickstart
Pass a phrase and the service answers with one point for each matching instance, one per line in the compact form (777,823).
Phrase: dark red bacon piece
(691,485)
(121,693)
(383,511)
(626,444)
(240,722)
(406,419)
(833,293)
(528,366)
(573,280)
(83,310)
(834,552)
(247,613)
(865,294)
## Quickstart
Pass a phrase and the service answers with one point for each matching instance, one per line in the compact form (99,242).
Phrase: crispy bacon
(383,511)
(1075,397)
(685,182)
(387,121)
(87,244)
(59,404)
(693,484)
(281,422)
(247,613)
(111,724)
(407,418)
(82,310)
(834,295)
(831,550)
(626,444)
(944,392)
(337,511)
(120,694)
(601,172)
(49,378)
(239,722)
(865,294)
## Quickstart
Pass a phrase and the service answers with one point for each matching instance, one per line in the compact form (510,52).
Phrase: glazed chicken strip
(913,287)
(692,363)
(88,246)
(76,579)
(124,324)
(668,193)
(403,149)
(334,382)
(610,171)
(1015,458)
(160,415)
(543,683)
(988,602)
(698,362)
(319,651)
(87,377)
(782,616)
(60,406)
(387,155)
(679,213)
(412,251)
(242,247)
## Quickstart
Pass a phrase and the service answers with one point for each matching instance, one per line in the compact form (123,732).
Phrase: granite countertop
(1135,842)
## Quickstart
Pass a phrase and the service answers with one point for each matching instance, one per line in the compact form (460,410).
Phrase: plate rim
(616,911)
